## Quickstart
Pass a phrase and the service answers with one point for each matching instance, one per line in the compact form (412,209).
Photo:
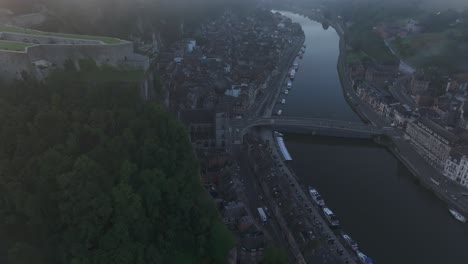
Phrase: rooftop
(439,130)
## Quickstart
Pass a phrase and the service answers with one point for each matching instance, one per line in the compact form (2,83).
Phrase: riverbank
(313,218)
(285,70)
(399,147)
(365,185)
(402,150)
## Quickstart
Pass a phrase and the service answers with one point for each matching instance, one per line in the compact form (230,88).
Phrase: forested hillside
(89,174)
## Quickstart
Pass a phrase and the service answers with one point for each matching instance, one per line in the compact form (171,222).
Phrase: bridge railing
(307,122)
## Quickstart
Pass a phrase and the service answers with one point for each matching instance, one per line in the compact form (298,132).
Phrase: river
(379,203)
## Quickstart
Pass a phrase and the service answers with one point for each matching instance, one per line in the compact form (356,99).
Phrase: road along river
(383,208)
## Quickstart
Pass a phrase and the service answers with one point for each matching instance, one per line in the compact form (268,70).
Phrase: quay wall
(419,170)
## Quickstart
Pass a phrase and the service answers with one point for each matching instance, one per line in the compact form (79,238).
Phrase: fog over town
(233,131)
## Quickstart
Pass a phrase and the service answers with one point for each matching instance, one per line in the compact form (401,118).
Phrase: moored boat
(350,242)
(364,259)
(457,215)
(331,217)
(292,74)
(289,84)
(316,197)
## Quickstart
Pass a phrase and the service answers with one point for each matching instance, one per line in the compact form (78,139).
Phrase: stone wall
(102,54)
(120,55)
(37,39)
(12,64)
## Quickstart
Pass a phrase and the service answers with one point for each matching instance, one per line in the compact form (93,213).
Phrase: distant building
(234,209)
(424,100)
(244,223)
(231,213)
(201,126)
(380,75)
(191,45)
(431,141)
(456,166)
(400,114)
(356,71)
(222,130)
(251,247)
(48,50)
(419,83)
(412,26)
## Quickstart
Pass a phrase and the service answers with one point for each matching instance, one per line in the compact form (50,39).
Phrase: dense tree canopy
(275,256)
(89,174)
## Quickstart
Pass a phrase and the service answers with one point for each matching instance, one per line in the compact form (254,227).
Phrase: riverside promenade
(334,252)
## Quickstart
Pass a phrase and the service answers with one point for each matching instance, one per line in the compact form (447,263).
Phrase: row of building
(436,130)
(217,75)
(213,78)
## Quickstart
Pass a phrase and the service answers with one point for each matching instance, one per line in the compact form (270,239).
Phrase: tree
(101,176)
(275,256)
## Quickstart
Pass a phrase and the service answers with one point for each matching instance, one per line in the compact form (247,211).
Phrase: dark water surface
(392,218)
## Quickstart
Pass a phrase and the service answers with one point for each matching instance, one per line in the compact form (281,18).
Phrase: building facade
(432,141)
(419,84)
(456,166)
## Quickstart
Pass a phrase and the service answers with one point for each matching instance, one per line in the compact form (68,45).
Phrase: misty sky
(430,4)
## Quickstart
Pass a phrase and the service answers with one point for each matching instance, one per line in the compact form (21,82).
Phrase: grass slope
(13,46)
(11,29)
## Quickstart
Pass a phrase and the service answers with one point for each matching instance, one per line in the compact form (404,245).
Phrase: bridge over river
(310,126)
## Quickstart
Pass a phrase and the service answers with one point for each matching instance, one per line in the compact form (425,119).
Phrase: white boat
(278,134)
(457,215)
(286,92)
(279,112)
(283,101)
(296,66)
(316,197)
(350,242)
(331,217)
(292,74)
(289,84)
(435,182)
(364,259)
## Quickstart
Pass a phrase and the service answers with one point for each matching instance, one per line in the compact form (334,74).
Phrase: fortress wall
(12,64)
(102,54)
(37,39)
(120,55)
(136,61)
